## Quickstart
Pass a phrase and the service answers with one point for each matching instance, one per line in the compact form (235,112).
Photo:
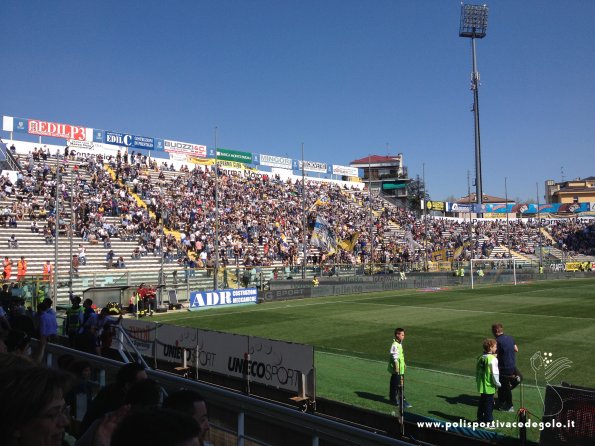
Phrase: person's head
(81,369)
(12,360)
(399,334)
(129,374)
(3,348)
(64,361)
(497,329)
(158,427)
(48,301)
(146,392)
(191,403)
(489,345)
(17,341)
(36,415)
(88,303)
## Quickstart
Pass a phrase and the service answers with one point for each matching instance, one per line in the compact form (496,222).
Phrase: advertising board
(275,363)
(310,166)
(45,128)
(220,298)
(173,343)
(435,205)
(127,140)
(142,333)
(184,148)
(234,155)
(345,171)
(275,161)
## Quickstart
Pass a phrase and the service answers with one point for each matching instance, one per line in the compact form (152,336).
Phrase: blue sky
(347,78)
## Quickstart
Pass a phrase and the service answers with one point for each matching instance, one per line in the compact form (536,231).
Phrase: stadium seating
(260,223)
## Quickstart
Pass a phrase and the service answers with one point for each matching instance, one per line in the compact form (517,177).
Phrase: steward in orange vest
(21,269)
(47,271)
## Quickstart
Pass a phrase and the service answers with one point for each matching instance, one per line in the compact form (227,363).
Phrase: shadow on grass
(445,416)
(469,400)
(372,397)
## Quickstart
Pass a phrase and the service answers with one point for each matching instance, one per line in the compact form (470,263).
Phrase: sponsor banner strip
(345,171)
(45,128)
(310,166)
(220,298)
(234,155)
(275,161)
(520,208)
(274,363)
(185,148)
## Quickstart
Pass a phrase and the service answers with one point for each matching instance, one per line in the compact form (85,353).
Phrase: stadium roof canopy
(487,199)
(375,159)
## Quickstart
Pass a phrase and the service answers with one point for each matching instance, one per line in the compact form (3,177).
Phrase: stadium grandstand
(104,218)
(123,212)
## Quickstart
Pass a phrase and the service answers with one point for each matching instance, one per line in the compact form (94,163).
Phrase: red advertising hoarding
(56,130)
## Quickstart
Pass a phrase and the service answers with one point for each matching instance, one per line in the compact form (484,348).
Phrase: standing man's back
(506,352)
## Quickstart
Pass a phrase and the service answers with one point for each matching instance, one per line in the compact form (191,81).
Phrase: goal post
(490,271)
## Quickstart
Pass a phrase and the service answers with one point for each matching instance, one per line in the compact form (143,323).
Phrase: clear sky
(347,78)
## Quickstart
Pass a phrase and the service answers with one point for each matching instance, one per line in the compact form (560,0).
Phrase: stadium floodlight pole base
(496,262)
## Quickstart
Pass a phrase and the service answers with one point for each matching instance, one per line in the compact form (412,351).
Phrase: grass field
(444,333)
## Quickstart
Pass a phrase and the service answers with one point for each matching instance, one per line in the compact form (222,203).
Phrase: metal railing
(9,157)
(244,408)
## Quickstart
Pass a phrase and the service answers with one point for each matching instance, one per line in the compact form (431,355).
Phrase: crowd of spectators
(173,214)
(40,406)
(574,237)
(66,406)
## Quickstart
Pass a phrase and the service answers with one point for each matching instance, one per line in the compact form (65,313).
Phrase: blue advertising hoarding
(519,208)
(21,125)
(531,208)
(127,140)
(220,298)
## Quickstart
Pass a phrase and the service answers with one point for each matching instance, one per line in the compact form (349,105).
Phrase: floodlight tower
(474,22)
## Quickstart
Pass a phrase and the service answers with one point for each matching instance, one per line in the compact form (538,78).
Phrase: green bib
(483,375)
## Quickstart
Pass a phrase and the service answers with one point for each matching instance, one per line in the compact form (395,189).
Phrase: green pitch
(444,333)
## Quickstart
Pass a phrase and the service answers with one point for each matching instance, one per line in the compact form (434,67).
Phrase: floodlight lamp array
(474,21)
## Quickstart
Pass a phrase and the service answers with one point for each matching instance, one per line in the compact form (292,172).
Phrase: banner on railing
(173,343)
(275,363)
(142,333)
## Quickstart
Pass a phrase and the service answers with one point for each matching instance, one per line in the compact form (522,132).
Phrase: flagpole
(507,223)
(371,221)
(304,222)
(216,242)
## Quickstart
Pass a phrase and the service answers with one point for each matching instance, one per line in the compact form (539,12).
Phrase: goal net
(493,271)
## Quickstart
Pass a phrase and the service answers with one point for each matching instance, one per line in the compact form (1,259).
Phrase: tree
(416,191)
